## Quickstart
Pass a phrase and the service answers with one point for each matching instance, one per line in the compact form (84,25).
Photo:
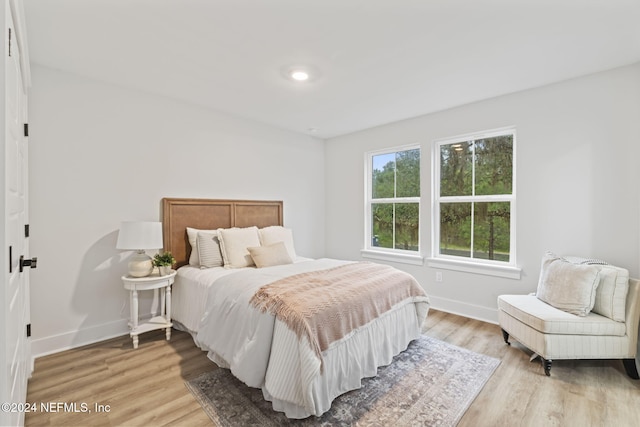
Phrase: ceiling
(373,61)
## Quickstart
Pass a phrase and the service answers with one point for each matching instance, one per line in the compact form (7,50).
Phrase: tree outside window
(475,198)
(394,200)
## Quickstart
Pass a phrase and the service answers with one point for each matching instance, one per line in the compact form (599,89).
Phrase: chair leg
(505,335)
(630,367)
(546,363)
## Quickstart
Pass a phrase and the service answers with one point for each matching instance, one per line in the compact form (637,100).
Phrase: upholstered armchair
(582,309)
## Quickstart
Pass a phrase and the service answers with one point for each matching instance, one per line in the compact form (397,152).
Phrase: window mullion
(395,177)
(398,200)
(473,168)
(393,231)
(473,195)
(473,212)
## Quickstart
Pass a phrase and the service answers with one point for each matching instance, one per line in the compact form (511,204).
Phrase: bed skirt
(373,345)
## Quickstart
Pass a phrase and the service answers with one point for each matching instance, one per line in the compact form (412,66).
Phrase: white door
(14,343)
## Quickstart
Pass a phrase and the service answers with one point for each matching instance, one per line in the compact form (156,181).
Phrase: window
(393,201)
(474,198)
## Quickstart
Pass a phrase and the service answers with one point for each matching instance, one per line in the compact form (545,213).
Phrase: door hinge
(26,129)
(26,230)
(9,41)
(28,330)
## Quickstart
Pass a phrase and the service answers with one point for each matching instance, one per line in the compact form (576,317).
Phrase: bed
(237,314)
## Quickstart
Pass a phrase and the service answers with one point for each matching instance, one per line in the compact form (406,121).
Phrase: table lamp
(138,236)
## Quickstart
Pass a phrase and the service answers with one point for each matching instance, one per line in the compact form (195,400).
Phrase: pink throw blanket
(326,305)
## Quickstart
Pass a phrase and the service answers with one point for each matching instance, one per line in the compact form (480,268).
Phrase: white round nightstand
(151,282)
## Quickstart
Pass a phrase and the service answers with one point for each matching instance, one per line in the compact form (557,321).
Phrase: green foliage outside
(395,225)
(396,175)
(456,163)
(494,167)
(491,230)
(491,220)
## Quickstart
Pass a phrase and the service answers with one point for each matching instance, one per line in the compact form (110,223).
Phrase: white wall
(101,154)
(577,184)
(577,181)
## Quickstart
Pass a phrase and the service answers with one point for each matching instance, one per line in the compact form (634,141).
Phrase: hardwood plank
(141,386)
(146,386)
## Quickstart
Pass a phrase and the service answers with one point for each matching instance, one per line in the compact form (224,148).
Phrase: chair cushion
(547,319)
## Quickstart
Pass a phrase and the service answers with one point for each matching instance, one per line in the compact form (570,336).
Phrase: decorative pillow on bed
(234,243)
(270,255)
(276,233)
(566,286)
(192,235)
(209,250)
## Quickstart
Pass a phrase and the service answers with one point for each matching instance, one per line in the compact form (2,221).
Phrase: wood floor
(145,387)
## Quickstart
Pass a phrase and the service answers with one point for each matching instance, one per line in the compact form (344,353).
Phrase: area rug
(432,383)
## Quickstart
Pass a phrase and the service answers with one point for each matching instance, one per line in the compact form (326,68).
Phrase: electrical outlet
(438,276)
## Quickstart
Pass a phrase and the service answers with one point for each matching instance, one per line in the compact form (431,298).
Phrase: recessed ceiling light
(299,75)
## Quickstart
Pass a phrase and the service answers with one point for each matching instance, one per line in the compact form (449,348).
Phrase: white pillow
(209,250)
(276,233)
(234,243)
(611,295)
(192,236)
(566,286)
(270,255)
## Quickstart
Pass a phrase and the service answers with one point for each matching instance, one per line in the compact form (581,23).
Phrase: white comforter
(263,353)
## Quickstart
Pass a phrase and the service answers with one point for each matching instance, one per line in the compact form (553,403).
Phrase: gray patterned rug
(432,383)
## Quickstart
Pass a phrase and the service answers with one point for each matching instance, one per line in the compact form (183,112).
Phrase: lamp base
(140,265)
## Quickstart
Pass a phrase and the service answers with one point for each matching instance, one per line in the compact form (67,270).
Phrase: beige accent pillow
(276,233)
(209,250)
(234,243)
(270,255)
(566,286)
(611,294)
(192,236)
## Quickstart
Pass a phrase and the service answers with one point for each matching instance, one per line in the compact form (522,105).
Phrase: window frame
(390,254)
(470,264)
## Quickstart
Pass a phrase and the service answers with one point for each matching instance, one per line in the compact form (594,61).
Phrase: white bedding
(189,293)
(264,353)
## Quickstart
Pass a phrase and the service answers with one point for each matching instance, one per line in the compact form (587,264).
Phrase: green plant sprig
(164,259)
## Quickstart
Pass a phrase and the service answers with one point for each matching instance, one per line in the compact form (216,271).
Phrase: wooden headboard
(210,214)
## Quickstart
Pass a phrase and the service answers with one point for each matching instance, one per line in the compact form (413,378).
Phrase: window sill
(393,257)
(509,272)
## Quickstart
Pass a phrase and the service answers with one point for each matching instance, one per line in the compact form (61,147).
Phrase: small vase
(164,270)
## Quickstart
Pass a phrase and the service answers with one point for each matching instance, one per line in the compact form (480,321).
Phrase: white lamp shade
(138,235)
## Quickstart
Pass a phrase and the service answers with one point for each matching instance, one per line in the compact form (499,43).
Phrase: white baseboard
(485,314)
(57,343)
